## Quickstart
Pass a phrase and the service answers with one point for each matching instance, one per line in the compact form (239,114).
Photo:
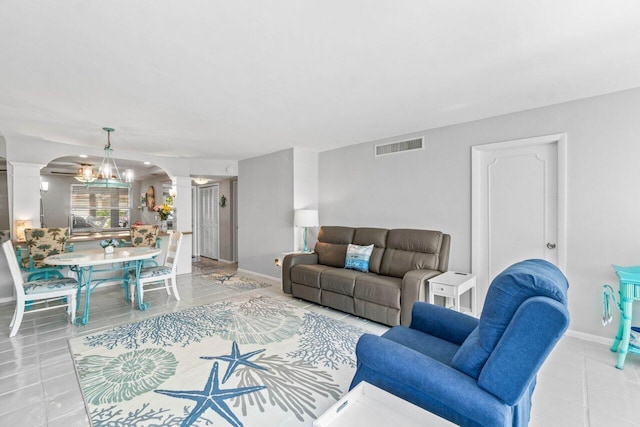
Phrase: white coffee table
(368,405)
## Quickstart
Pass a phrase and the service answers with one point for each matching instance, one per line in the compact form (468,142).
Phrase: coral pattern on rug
(249,360)
(233,281)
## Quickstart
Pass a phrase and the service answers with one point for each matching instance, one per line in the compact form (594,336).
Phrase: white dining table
(83,263)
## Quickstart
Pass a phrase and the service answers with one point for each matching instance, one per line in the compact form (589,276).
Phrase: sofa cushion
(376,237)
(339,280)
(308,274)
(335,234)
(411,250)
(381,290)
(331,254)
(507,292)
(357,257)
(332,245)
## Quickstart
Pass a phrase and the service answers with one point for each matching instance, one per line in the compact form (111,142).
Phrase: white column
(182,221)
(305,191)
(25,192)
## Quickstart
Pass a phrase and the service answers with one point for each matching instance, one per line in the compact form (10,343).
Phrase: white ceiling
(237,79)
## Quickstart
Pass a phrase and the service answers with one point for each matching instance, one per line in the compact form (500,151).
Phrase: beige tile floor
(577,386)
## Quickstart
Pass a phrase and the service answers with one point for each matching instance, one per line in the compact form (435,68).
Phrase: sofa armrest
(413,289)
(446,324)
(427,383)
(291,260)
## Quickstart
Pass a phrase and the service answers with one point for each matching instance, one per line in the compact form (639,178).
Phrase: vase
(109,249)
(163,225)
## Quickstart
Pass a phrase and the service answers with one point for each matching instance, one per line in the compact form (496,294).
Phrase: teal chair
(41,243)
(145,235)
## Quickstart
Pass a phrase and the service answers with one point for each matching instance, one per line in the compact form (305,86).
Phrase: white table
(278,261)
(453,284)
(83,263)
(370,406)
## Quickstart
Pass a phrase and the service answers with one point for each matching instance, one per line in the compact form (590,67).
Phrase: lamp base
(306,247)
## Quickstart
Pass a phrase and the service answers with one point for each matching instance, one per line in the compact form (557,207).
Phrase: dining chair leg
(175,287)
(132,292)
(17,318)
(15,314)
(166,286)
(71,307)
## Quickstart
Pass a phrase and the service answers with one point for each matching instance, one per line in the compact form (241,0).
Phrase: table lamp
(305,218)
(21,225)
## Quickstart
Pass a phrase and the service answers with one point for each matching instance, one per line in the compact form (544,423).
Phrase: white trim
(7,299)
(589,337)
(476,243)
(226,261)
(254,275)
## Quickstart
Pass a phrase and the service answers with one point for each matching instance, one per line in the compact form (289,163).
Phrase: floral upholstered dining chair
(41,243)
(144,235)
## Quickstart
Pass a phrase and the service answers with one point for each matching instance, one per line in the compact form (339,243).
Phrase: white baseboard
(254,275)
(226,261)
(589,337)
(7,299)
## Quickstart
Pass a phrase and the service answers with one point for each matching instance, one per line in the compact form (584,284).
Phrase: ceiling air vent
(399,146)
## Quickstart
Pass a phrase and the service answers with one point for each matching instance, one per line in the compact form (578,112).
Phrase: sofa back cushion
(511,288)
(410,250)
(376,237)
(332,245)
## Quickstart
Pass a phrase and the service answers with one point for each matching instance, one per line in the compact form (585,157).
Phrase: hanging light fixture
(108,174)
(85,174)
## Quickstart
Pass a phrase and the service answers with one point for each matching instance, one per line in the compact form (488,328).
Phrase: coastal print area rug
(246,361)
(233,281)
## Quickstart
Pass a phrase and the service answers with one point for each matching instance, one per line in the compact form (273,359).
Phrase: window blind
(99,208)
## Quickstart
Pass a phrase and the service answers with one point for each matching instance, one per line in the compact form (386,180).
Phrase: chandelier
(108,174)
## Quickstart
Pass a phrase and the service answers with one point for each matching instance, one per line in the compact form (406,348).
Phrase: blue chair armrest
(442,322)
(425,382)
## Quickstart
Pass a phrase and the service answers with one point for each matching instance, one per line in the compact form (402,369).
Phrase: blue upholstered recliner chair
(474,372)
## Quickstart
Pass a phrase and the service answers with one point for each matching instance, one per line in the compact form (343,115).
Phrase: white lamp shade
(305,218)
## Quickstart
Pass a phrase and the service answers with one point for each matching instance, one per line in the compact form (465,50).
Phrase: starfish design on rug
(236,359)
(211,397)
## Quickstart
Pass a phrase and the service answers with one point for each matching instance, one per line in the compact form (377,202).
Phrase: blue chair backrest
(508,291)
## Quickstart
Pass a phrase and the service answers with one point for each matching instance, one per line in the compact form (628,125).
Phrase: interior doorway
(208,234)
(518,205)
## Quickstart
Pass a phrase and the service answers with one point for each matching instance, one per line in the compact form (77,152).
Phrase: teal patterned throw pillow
(358,257)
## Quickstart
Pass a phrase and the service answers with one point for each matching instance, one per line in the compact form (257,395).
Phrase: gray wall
(432,189)
(265,211)
(57,200)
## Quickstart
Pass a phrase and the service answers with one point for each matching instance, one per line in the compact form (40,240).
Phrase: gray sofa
(400,265)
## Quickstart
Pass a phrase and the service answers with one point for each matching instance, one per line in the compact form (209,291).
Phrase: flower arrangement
(109,242)
(164,211)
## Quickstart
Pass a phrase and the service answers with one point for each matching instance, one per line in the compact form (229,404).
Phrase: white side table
(453,284)
(278,261)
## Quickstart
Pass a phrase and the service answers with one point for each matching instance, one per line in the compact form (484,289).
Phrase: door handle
(551,245)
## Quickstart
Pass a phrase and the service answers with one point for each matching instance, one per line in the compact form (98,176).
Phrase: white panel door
(516,206)
(208,221)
